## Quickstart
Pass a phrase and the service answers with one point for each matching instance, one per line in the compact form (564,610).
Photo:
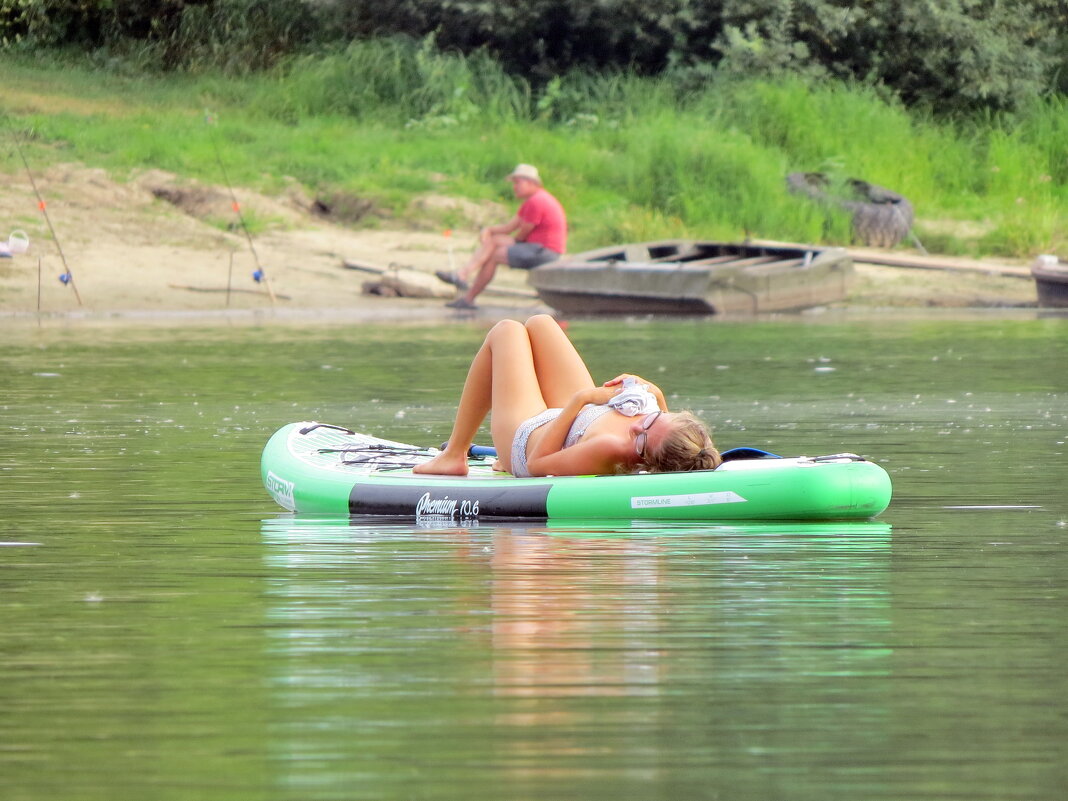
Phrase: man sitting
(536,235)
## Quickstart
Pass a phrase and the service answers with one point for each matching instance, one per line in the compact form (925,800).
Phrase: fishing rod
(259,274)
(68,277)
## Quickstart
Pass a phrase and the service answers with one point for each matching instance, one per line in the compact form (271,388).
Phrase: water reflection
(161,638)
(536,635)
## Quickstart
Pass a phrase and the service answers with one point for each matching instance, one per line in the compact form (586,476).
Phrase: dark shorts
(528,255)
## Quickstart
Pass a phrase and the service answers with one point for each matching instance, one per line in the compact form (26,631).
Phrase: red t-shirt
(547,216)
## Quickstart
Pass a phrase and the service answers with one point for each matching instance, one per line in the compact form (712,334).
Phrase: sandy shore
(156,246)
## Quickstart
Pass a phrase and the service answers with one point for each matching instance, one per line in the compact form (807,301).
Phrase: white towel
(634,399)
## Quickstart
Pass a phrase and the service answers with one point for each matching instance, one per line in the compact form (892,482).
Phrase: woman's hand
(618,383)
(618,380)
(598,395)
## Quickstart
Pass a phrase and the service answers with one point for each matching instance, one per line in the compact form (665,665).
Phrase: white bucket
(18,242)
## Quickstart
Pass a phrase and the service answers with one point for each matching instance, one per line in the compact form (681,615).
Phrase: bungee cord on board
(382,457)
(391,457)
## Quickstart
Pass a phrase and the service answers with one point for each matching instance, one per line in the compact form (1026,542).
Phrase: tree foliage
(235,35)
(941,53)
(949,55)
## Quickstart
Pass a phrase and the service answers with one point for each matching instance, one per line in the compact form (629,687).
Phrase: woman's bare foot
(445,463)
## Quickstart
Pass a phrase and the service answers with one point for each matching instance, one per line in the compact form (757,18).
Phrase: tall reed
(395,81)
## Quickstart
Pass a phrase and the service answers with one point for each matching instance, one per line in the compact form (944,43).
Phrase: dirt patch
(343,207)
(879,286)
(154,243)
(215,204)
(964,230)
(32,101)
(196,201)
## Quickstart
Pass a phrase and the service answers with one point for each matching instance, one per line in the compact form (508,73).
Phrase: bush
(237,36)
(946,55)
(949,55)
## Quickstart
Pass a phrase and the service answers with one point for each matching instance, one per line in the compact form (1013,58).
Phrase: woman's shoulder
(613,441)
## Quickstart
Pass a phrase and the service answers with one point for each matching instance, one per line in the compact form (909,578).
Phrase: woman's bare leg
(501,377)
(472,410)
(561,371)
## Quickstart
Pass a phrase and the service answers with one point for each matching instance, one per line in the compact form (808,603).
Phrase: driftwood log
(397,281)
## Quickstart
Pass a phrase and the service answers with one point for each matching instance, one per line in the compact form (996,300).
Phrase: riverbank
(630,158)
(158,245)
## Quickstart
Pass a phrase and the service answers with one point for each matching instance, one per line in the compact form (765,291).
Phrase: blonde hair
(687,447)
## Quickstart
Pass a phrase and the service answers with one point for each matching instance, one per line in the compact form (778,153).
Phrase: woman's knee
(507,329)
(538,321)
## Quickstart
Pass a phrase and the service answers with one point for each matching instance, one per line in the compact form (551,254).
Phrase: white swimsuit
(633,399)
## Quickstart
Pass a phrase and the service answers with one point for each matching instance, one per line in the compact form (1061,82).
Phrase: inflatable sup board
(316,468)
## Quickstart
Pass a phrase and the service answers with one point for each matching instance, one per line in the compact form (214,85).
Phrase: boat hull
(1051,283)
(316,469)
(692,277)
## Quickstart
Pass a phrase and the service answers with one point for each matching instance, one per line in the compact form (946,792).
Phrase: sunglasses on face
(642,439)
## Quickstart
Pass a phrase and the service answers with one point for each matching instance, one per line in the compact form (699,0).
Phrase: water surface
(169,633)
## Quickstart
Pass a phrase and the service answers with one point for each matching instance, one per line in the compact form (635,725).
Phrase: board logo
(448,508)
(281,490)
(693,499)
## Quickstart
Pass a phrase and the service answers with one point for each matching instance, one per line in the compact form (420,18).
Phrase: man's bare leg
(478,259)
(487,272)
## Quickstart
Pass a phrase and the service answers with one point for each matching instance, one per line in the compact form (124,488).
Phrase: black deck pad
(450,501)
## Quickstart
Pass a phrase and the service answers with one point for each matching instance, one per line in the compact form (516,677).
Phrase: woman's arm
(598,455)
(553,435)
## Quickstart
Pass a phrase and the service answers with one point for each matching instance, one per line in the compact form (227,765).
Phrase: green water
(168,633)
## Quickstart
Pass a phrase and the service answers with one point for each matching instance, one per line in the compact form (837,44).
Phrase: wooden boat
(1051,281)
(681,276)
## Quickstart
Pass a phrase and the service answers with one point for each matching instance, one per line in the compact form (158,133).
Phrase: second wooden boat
(1051,281)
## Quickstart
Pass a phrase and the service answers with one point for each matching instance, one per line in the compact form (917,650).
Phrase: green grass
(630,158)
